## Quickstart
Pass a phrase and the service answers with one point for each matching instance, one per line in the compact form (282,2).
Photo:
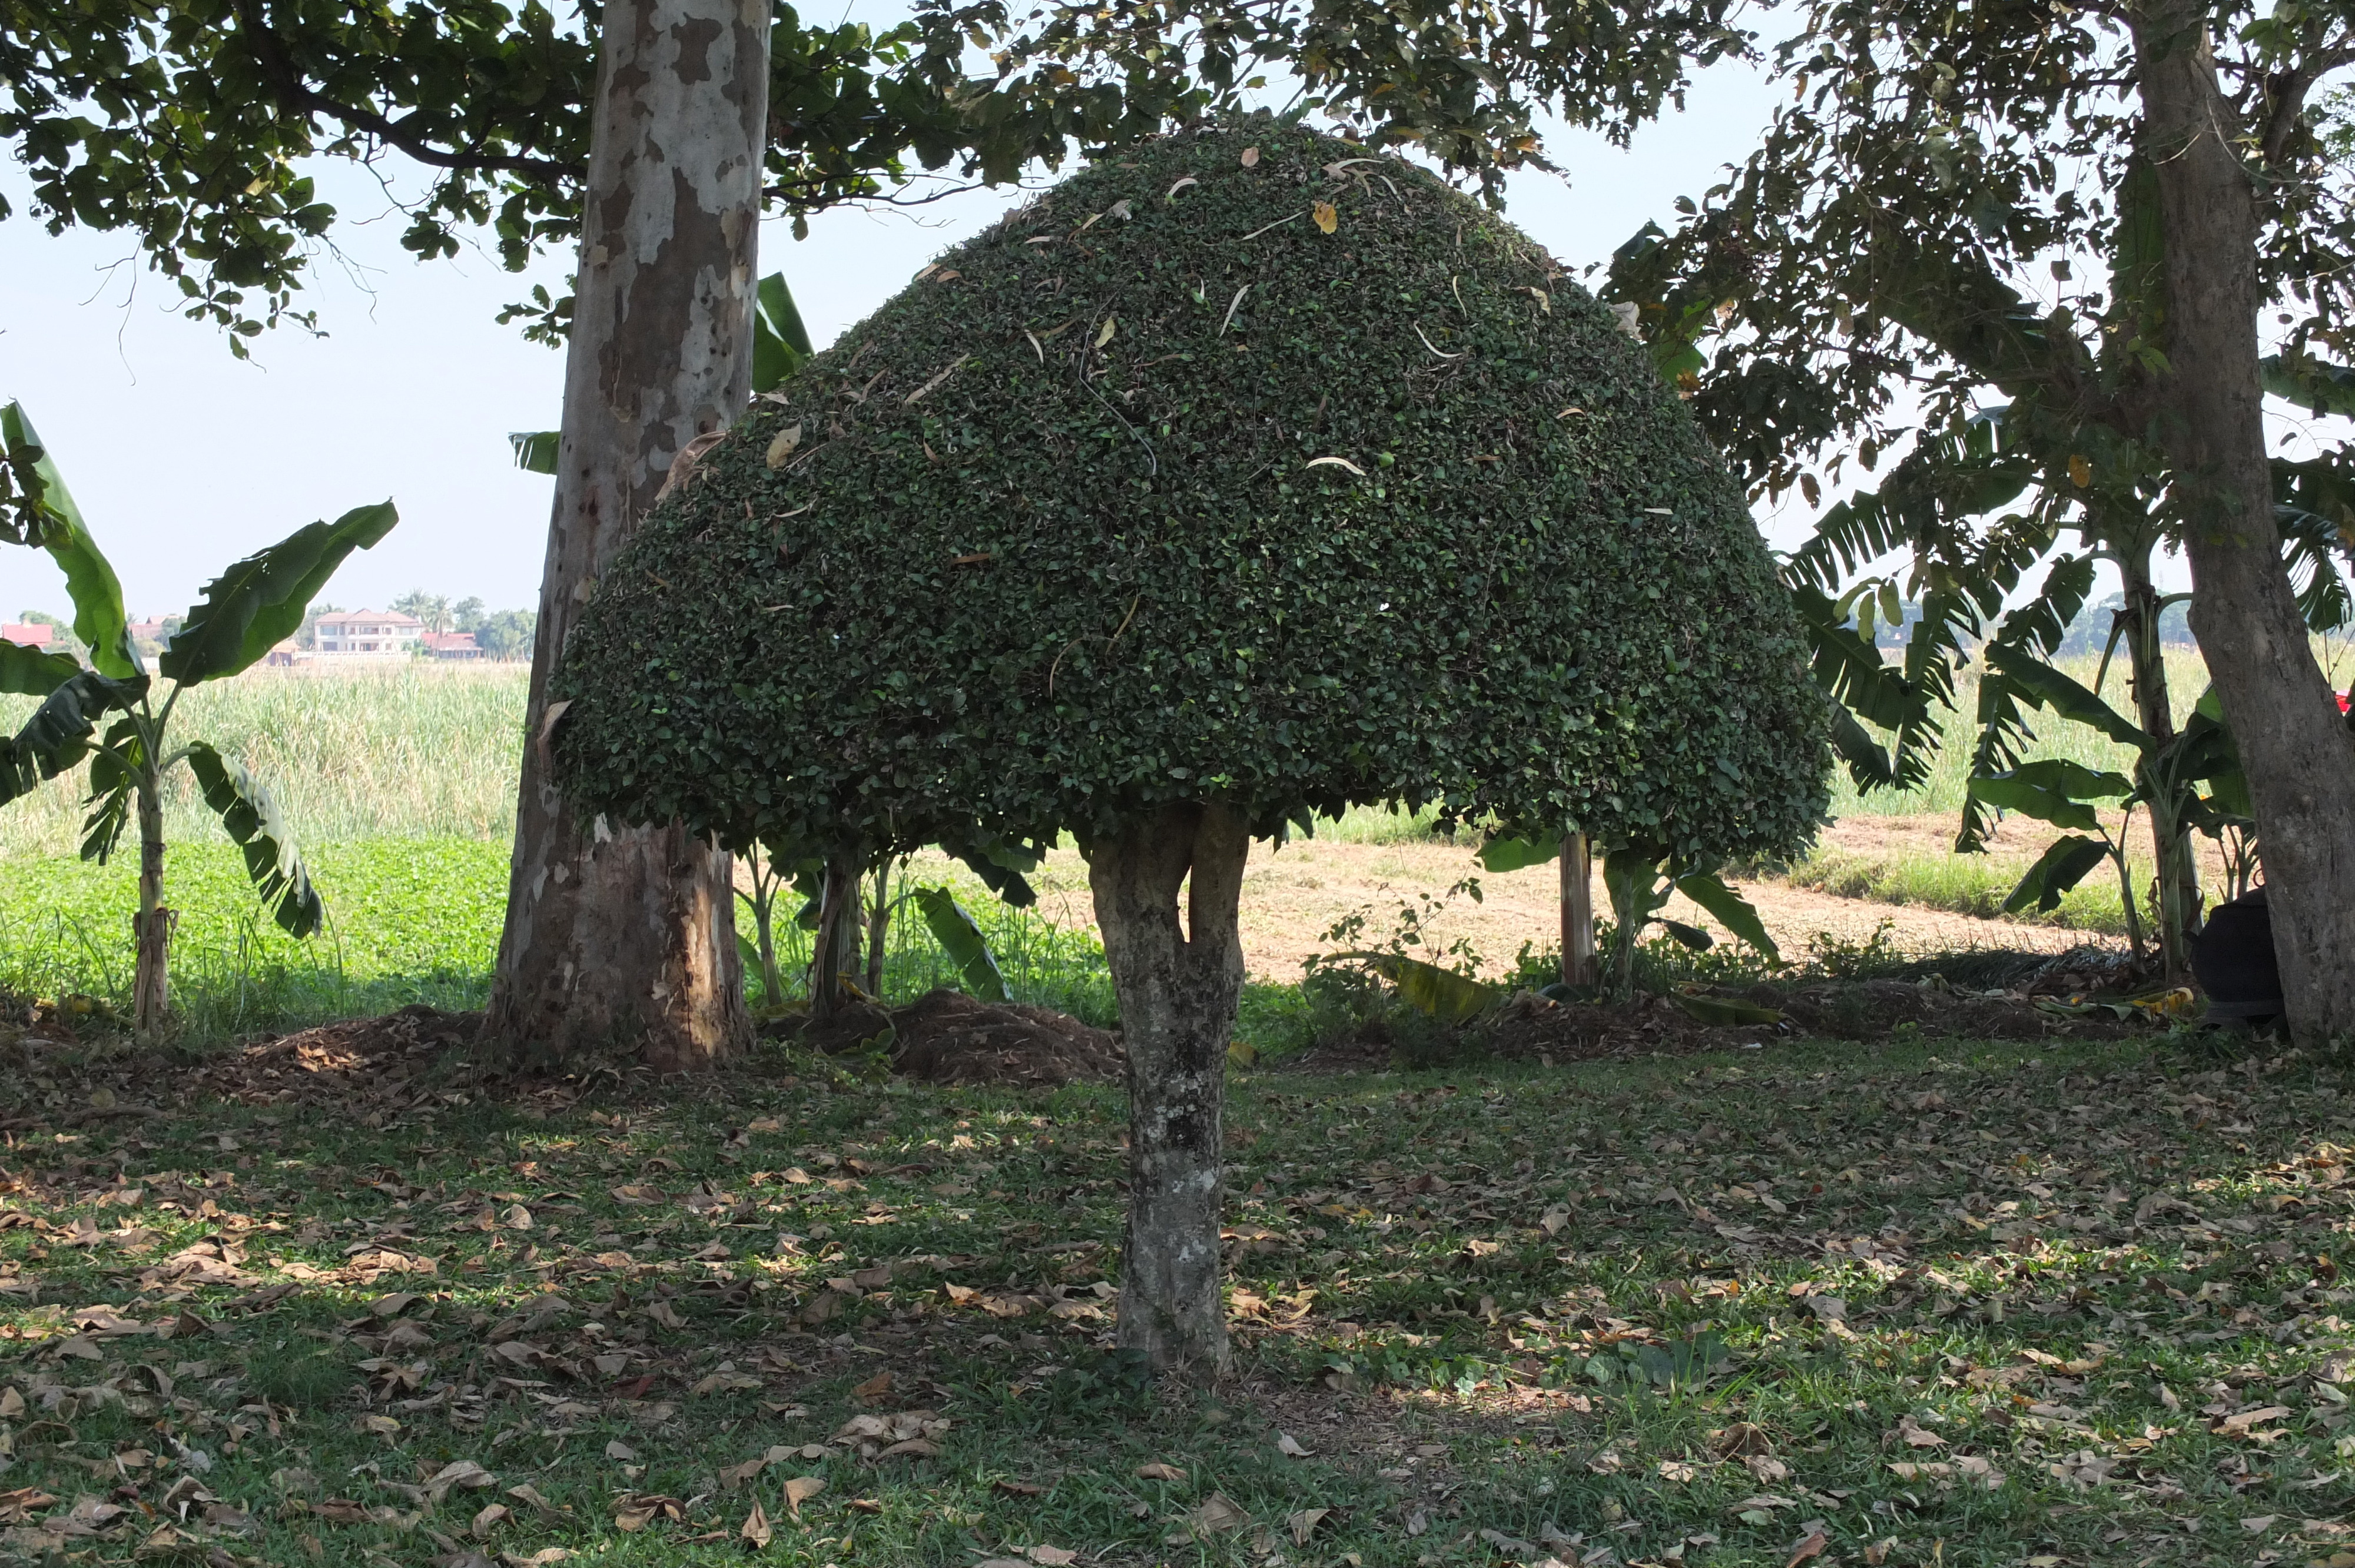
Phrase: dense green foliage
(1157,490)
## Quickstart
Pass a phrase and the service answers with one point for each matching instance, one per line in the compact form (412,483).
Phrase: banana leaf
(779,342)
(2044,685)
(1737,914)
(57,736)
(260,600)
(2059,868)
(99,620)
(960,937)
(2053,791)
(29,672)
(1502,855)
(1442,994)
(535,451)
(252,819)
(113,781)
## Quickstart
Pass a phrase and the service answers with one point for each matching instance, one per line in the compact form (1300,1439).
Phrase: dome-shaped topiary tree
(1242,479)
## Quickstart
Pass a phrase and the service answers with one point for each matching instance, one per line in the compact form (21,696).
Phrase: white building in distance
(386,633)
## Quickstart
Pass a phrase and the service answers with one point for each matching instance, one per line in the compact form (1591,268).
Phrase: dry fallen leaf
(1812,1546)
(1216,1515)
(1288,1445)
(781,449)
(1052,1556)
(1304,1524)
(874,1388)
(755,1528)
(1336,463)
(490,1519)
(800,1490)
(1251,157)
(1157,1471)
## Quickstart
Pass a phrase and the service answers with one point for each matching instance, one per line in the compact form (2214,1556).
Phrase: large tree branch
(293,93)
(2285,94)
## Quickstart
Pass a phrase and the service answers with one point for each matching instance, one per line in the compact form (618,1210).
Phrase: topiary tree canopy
(1242,478)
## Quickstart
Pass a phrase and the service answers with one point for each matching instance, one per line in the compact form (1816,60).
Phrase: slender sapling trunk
(1577,911)
(151,927)
(1178,984)
(879,929)
(2170,835)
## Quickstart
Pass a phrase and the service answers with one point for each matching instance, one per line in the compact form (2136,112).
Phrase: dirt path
(1294,896)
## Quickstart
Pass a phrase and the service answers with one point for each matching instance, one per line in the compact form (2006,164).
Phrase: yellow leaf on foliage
(1251,157)
(1327,216)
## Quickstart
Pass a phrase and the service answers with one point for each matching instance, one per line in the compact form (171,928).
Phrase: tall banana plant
(2169,772)
(1639,878)
(114,717)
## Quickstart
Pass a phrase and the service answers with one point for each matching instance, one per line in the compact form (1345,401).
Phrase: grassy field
(400,787)
(1936,1305)
(416,752)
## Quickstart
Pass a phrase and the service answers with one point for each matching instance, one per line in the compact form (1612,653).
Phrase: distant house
(450,645)
(383,633)
(24,635)
(150,631)
(285,655)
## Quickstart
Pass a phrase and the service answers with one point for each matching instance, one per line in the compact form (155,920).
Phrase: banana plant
(2169,773)
(780,346)
(109,715)
(1640,879)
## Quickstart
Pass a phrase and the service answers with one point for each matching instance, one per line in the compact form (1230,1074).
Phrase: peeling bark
(625,938)
(2298,757)
(1178,987)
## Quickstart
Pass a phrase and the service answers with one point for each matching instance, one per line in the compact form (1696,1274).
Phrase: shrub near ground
(1980,1306)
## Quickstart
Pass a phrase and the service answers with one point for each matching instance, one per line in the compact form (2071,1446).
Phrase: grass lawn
(1936,1305)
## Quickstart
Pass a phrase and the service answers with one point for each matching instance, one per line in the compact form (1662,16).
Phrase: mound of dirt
(947,1037)
(1842,1010)
(353,1060)
(1873,1010)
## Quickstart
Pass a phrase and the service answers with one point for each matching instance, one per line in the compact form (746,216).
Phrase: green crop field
(400,787)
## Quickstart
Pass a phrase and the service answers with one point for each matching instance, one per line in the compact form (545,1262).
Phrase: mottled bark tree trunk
(2298,758)
(1178,986)
(621,936)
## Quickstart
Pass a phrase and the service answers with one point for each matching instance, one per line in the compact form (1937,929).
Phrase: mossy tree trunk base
(1178,984)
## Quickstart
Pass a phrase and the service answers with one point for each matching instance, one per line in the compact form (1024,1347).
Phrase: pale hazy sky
(184,459)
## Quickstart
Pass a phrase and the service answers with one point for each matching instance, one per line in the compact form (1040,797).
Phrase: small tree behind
(1230,484)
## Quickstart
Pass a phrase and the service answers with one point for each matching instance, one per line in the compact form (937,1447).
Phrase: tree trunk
(623,937)
(2298,758)
(2178,873)
(151,926)
(833,952)
(1178,986)
(1577,912)
(879,930)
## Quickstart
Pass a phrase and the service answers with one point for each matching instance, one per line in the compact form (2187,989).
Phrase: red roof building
(32,635)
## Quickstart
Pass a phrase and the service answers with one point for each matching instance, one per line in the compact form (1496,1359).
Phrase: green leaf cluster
(1158,490)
